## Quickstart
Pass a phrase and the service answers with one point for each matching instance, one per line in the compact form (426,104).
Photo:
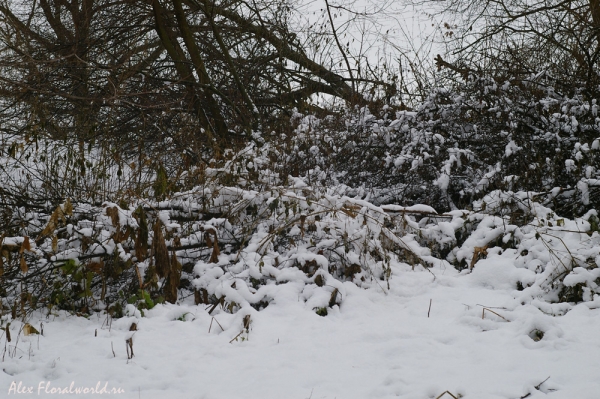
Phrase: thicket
(314,206)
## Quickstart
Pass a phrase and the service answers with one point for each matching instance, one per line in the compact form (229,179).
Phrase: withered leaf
(57,215)
(23,264)
(28,329)
(26,245)
(68,207)
(113,213)
(161,254)
(96,267)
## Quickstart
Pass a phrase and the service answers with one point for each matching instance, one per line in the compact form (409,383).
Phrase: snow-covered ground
(423,337)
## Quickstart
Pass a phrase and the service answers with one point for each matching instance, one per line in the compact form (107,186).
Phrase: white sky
(380,31)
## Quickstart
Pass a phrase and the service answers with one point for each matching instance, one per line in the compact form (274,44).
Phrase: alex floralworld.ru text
(45,387)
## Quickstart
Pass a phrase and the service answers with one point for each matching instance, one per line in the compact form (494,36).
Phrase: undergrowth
(494,171)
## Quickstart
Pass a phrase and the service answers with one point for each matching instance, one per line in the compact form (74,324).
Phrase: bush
(312,205)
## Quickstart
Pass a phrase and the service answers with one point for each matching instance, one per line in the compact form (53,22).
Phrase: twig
(427,269)
(211,320)
(538,386)
(489,310)
(416,212)
(236,337)
(139,276)
(429,311)
(129,347)
(447,392)
(220,301)
(490,307)
(222,329)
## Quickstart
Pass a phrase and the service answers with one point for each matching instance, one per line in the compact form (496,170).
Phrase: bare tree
(89,68)
(76,68)
(514,39)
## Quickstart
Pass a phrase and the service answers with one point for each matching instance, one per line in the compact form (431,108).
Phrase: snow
(511,148)
(371,346)
(414,208)
(496,329)
(471,333)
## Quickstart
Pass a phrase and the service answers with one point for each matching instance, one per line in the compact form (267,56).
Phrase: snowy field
(375,345)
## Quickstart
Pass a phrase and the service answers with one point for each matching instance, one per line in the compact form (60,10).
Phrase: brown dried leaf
(28,329)
(176,242)
(351,210)
(319,280)
(173,280)
(57,215)
(85,243)
(141,237)
(25,246)
(125,235)
(246,323)
(50,227)
(60,215)
(139,276)
(161,254)
(54,243)
(96,267)
(24,267)
(333,298)
(113,213)
(209,242)
(214,256)
(201,296)
(68,207)
(477,253)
